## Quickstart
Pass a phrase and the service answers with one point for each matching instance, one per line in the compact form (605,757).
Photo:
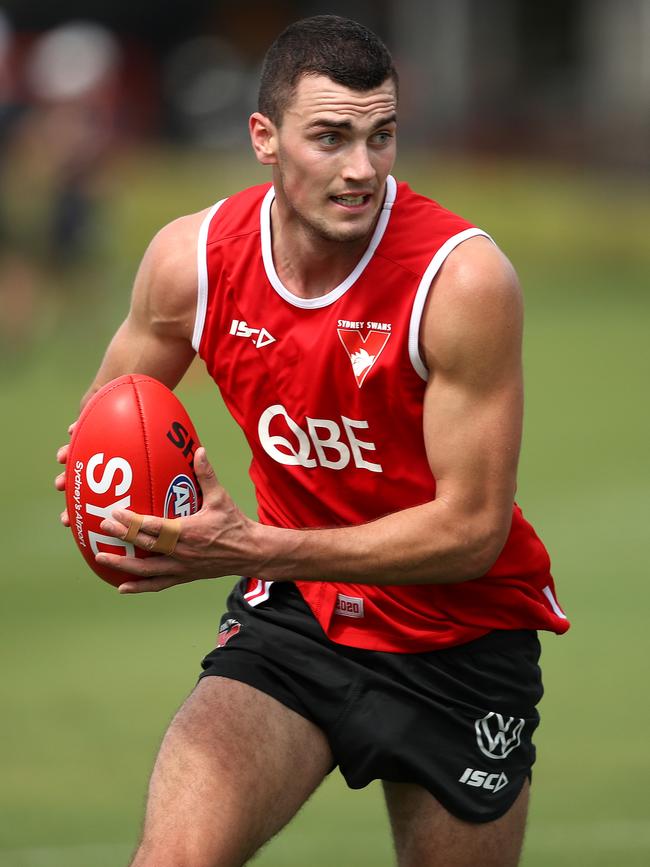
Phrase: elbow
(94,388)
(480,548)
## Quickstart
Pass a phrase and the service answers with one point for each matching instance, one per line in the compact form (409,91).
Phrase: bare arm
(471,340)
(155,338)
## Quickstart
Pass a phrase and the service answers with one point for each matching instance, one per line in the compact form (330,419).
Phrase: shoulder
(165,289)
(474,309)
(168,272)
(477,272)
(171,254)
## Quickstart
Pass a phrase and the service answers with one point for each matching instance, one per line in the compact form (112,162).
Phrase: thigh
(233,768)
(427,835)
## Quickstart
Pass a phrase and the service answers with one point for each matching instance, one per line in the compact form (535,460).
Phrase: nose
(358,166)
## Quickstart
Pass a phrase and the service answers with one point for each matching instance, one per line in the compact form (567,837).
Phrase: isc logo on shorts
(483,780)
(349,606)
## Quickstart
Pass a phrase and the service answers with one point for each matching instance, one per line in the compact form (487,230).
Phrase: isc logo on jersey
(324,442)
(181,498)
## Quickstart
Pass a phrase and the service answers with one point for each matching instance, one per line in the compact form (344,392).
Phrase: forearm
(427,544)
(439,542)
(132,351)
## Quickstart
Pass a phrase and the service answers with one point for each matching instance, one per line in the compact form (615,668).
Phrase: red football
(132,448)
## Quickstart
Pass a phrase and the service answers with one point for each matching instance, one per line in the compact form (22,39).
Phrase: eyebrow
(320,122)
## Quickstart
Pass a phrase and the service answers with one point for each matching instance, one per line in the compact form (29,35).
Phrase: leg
(426,835)
(233,768)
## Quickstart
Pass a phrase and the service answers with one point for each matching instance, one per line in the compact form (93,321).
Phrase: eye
(329,139)
(382,138)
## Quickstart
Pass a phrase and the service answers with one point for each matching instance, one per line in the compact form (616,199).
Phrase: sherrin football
(132,448)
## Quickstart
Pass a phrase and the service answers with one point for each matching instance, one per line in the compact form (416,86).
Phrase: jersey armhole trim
(202,276)
(422,294)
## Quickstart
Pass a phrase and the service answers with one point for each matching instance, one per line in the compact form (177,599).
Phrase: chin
(344,234)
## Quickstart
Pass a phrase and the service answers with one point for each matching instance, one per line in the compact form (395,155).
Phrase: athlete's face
(331,156)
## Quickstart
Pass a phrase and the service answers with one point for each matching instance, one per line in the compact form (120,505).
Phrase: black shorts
(458,721)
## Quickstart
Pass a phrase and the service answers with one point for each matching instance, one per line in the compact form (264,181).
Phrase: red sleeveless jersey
(329,393)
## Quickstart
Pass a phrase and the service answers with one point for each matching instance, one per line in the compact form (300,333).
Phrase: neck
(308,264)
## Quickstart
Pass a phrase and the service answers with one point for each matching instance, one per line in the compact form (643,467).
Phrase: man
(368,342)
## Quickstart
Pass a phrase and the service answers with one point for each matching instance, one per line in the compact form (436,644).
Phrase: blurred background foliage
(532,120)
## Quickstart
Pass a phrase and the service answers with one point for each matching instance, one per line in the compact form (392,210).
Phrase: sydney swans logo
(363,350)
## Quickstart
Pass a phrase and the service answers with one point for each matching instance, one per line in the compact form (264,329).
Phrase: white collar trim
(336,293)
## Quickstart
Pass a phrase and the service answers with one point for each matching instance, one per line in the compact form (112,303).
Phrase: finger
(59,482)
(124,530)
(65,518)
(168,536)
(148,532)
(142,567)
(72,426)
(62,453)
(205,473)
(149,525)
(133,527)
(152,585)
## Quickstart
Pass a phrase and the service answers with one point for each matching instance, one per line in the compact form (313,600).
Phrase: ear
(264,138)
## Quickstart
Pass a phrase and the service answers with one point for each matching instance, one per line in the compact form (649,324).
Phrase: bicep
(474,397)
(155,338)
(472,439)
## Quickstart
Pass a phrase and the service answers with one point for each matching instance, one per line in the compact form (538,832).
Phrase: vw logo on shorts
(497,737)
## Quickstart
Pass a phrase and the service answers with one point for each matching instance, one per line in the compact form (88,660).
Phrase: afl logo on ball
(181,498)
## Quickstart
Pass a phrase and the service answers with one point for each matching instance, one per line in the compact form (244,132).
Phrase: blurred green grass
(90,678)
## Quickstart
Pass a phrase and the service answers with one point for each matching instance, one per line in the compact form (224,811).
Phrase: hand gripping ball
(132,448)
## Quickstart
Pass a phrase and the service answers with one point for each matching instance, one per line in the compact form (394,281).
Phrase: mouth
(352,202)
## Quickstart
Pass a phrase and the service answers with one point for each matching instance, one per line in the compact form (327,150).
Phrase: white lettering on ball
(114,465)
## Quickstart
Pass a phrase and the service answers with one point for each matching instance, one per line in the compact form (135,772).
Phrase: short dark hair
(341,49)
